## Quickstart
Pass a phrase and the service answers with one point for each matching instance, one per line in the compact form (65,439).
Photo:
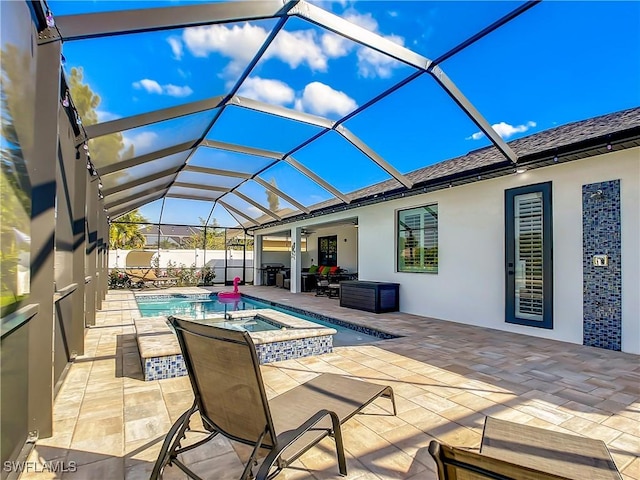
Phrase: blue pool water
(201,308)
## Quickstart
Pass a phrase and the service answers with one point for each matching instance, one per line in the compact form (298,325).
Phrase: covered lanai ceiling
(252,112)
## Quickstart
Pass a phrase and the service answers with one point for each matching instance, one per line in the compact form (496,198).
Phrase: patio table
(571,456)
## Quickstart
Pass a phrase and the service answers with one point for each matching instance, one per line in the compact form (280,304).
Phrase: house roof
(566,142)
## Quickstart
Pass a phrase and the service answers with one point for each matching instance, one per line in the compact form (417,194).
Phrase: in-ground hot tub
(276,335)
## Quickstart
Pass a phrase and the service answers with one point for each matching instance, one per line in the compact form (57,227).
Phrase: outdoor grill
(269,271)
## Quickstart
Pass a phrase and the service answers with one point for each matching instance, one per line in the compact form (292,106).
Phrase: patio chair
(230,397)
(459,464)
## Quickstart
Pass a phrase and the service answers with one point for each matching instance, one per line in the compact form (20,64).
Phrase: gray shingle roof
(558,138)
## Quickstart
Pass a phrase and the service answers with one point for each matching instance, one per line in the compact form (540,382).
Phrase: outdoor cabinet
(376,297)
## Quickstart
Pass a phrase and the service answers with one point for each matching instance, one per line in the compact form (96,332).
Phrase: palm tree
(126,232)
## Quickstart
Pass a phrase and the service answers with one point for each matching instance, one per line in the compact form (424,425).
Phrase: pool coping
(161,356)
(374,332)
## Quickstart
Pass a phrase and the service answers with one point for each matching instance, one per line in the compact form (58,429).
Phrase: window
(418,239)
(528,256)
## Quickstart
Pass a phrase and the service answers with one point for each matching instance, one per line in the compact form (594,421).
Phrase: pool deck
(447,378)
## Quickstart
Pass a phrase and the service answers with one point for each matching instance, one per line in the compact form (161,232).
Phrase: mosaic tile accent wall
(602,300)
(301,347)
(158,368)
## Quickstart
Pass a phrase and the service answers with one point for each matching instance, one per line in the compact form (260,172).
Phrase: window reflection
(18,111)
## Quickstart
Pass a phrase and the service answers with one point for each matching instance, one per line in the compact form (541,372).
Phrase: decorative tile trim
(159,368)
(601,235)
(290,349)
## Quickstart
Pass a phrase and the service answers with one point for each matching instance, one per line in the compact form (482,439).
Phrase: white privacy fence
(226,264)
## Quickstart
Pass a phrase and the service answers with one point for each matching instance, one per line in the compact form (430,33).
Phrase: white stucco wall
(469,286)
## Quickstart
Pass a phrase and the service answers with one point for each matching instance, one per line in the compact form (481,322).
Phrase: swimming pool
(202,306)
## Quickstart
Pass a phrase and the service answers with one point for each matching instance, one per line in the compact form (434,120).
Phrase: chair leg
(172,442)
(389,393)
(248,472)
(337,434)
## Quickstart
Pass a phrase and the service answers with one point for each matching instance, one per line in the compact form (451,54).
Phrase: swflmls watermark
(55,466)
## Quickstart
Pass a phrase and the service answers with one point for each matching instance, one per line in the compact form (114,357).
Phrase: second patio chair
(459,464)
(230,397)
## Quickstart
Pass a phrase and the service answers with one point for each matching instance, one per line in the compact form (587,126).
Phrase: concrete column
(98,257)
(42,175)
(296,260)
(257,259)
(105,251)
(79,245)
(92,243)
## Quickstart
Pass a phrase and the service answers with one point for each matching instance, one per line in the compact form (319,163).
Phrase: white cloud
(240,43)
(177,91)
(151,86)
(365,20)
(104,116)
(236,42)
(298,47)
(505,130)
(321,99)
(373,64)
(176,47)
(140,141)
(334,45)
(266,90)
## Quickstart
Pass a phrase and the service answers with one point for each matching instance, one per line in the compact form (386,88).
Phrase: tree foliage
(104,150)
(126,232)
(272,198)
(211,238)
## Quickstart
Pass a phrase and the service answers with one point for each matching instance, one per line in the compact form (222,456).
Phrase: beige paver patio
(447,378)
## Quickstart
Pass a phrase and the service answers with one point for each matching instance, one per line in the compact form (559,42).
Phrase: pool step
(159,350)
(161,356)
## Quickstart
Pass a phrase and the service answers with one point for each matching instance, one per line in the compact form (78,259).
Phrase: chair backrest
(459,464)
(225,376)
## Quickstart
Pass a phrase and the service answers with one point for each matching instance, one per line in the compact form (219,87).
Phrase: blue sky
(559,62)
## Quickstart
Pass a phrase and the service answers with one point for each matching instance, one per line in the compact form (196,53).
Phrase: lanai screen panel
(154,137)
(259,194)
(151,211)
(442,130)
(121,177)
(564,44)
(228,160)
(208,180)
(341,164)
(185,212)
(220,217)
(353,111)
(198,193)
(259,130)
(307,80)
(133,192)
(295,184)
